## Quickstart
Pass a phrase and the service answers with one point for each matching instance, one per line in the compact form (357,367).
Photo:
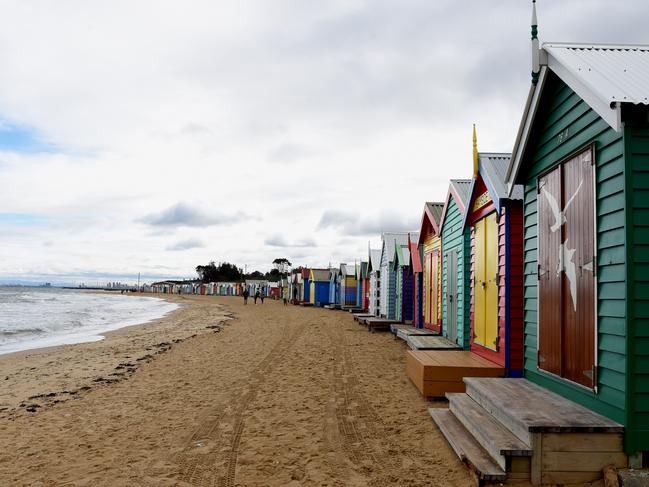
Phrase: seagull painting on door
(566,253)
(565,270)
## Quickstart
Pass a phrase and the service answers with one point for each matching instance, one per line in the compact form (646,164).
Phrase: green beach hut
(582,155)
(456,264)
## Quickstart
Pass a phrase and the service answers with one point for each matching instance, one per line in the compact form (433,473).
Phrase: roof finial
(536,62)
(476,157)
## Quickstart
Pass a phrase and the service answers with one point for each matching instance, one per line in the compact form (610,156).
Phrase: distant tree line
(226,272)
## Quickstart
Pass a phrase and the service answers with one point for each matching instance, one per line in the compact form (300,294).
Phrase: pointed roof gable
(458,189)
(430,218)
(389,241)
(362,270)
(492,168)
(374,261)
(346,270)
(603,75)
(319,275)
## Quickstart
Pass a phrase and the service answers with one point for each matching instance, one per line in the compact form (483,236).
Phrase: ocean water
(42,317)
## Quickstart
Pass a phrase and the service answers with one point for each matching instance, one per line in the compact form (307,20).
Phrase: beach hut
(306,286)
(387,297)
(581,155)
(495,220)
(403,304)
(374,275)
(319,283)
(430,242)
(334,291)
(296,286)
(416,273)
(346,285)
(362,286)
(456,264)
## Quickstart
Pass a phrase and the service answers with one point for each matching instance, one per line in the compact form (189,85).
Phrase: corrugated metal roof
(493,168)
(462,189)
(405,253)
(617,73)
(435,210)
(320,274)
(605,76)
(389,239)
(375,259)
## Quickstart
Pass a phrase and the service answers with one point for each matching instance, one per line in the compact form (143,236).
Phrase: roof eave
(524,128)
(610,112)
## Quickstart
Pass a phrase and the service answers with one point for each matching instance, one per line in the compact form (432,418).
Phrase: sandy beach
(221,394)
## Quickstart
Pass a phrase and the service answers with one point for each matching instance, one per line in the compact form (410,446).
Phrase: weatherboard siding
(566,124)
(453,238)
(637,154)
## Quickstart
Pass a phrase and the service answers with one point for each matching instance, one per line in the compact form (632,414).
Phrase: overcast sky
(153,136)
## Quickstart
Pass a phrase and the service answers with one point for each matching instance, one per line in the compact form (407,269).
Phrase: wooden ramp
(408,331)
(373,323)
(436,372)
(358,316)
(430,342)
(512,429)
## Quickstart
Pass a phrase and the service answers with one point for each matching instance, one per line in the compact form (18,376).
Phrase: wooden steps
(436,372)
(530,433)
(532,409)
(431,342)
(405,331)
(495,438)
(465,446)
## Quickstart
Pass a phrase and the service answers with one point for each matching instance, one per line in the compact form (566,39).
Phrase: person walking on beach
(261,296)
(245,296)
(256,296)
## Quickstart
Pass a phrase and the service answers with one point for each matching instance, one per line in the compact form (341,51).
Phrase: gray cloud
(353,224)
(190,243)
(280,241)
(192,128)
(186,215)
(288,153)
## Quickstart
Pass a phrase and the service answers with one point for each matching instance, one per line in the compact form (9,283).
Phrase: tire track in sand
(217,467)
(358,425)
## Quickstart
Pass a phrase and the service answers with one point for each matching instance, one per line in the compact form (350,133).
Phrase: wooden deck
(373,323)
(408,333)
(430,342)
(436,372)
(358,316)
(513,429)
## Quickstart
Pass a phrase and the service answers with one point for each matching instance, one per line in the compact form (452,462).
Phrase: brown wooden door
(566,249)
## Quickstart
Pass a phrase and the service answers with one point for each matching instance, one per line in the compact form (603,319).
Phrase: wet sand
(276,396)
